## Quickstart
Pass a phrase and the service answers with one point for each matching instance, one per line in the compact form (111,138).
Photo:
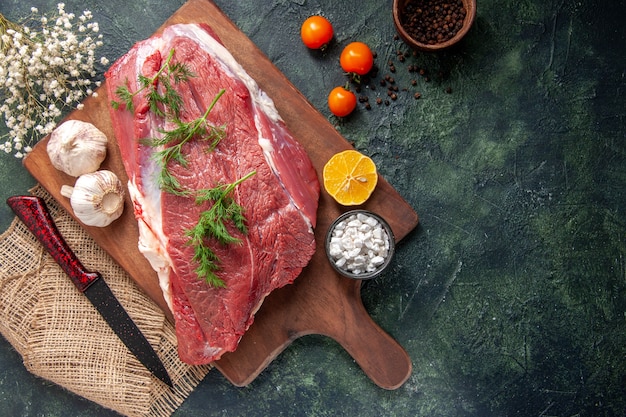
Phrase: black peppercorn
(433,21)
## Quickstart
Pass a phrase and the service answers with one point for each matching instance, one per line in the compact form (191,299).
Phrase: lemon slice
(350,177)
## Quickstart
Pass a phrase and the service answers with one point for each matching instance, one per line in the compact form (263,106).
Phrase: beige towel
(62,338)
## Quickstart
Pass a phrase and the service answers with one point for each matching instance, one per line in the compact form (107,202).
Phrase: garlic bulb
(76,147)
(97,198)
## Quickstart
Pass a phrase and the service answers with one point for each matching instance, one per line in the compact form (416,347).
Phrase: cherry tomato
(341,101)
(357,58)
(316,32)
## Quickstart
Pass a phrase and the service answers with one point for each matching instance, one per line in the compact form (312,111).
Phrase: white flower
(44,67)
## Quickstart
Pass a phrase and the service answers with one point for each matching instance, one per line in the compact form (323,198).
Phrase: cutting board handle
(381,357)
(335,310)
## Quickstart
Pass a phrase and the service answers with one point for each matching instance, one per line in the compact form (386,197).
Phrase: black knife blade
(33,212)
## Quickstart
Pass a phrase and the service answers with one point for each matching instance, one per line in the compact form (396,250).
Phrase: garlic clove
(97,198)
(76,147)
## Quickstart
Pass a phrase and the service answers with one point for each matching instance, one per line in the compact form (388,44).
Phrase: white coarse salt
(359,244)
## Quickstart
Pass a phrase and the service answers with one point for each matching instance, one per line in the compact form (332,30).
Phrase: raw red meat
(280,201)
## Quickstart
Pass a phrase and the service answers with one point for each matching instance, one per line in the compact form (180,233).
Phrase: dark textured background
(510,297)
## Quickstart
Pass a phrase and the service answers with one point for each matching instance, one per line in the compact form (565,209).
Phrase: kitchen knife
(34,213)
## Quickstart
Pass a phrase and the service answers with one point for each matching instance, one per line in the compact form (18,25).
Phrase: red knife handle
(33,212)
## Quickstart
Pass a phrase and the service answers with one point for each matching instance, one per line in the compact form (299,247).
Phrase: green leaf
(213,224)
(164,101)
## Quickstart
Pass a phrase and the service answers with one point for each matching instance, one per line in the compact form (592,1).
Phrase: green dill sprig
(167,103)
(212,224)
(163,104)
(172,143)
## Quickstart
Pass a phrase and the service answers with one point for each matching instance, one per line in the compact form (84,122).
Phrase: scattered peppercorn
(433,21)
(394,88)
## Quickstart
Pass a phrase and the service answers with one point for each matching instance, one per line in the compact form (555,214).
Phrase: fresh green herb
(172,143)
(212,224)
(163,104)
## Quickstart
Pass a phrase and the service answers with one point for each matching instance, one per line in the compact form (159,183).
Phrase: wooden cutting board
(320,301)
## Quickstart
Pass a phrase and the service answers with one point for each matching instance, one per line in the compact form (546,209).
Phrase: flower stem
(5,25)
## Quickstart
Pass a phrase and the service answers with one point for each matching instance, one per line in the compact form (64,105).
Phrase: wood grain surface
(320,301)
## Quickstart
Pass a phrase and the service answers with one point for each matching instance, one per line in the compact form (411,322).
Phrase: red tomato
(357,58)
(341,101)
(316,32)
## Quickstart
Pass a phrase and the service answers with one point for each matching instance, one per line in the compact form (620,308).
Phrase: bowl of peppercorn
(431,25)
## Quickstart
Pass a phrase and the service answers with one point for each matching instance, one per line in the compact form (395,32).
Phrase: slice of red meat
(280,200)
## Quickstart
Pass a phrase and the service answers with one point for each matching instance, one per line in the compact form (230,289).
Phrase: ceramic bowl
(363,275)
(399,7)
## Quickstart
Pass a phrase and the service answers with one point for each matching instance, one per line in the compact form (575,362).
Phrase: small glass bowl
(363,275)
